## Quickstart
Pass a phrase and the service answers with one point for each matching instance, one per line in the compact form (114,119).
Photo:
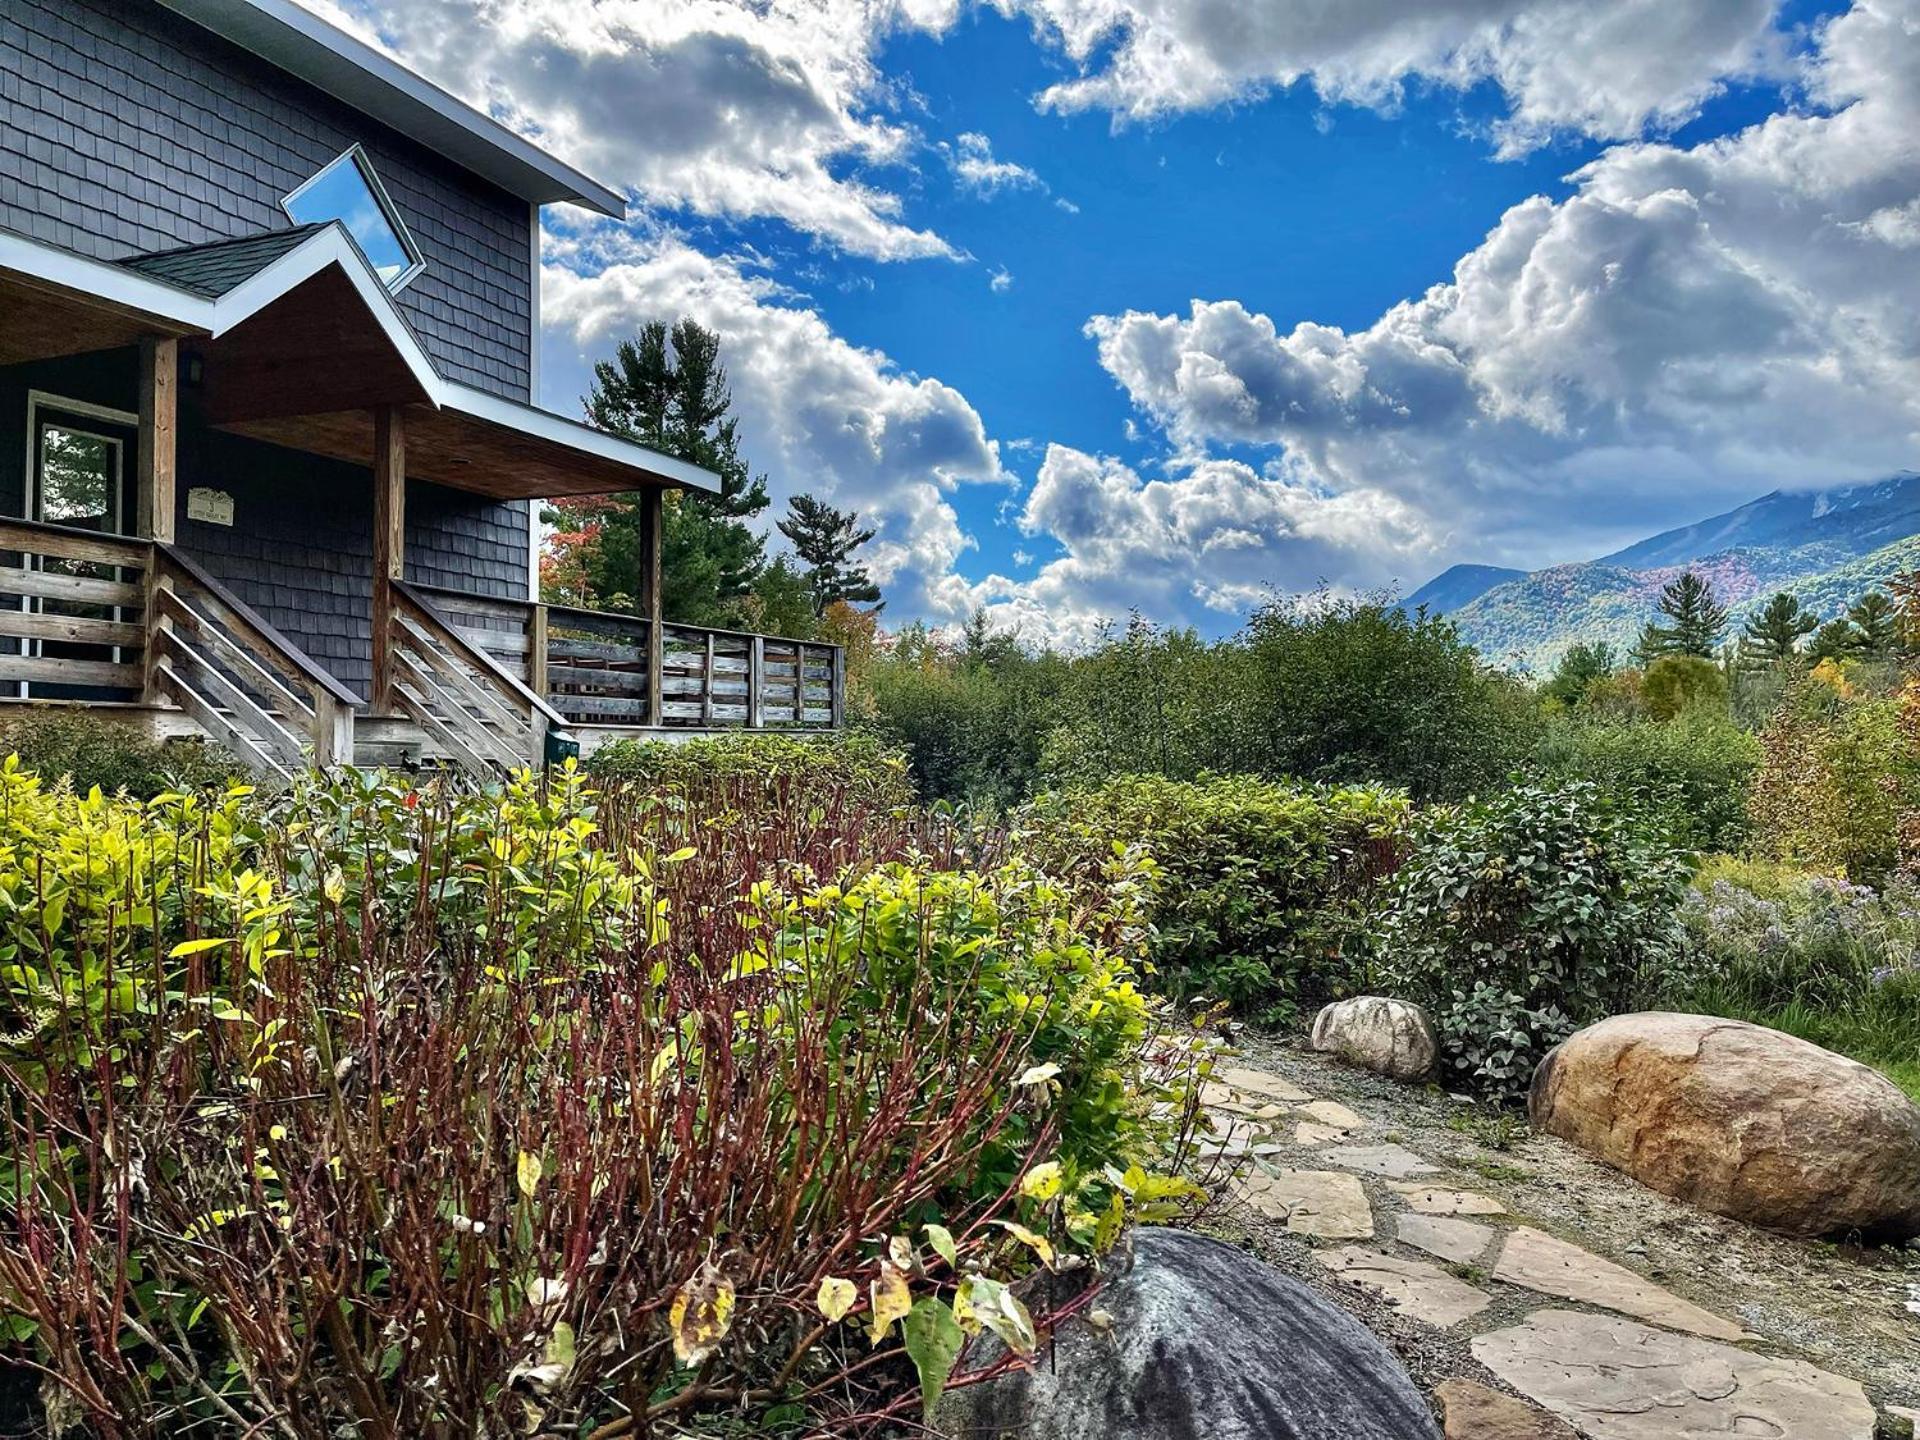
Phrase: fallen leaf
(701,1314)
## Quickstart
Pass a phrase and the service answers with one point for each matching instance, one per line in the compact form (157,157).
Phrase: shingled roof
(215,268)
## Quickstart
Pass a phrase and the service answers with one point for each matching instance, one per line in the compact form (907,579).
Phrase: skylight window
(347,190)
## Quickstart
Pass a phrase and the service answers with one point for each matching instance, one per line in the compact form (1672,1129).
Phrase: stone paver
(1332,1114)
(1259,1082)
(1414,1287)
(1614,1379)
(1436,1200)
(1309,1132)
(1395,1162)
(1473,1412)
(1553,1267)
(1229,1101)
(1460,1241)
(1323,1203)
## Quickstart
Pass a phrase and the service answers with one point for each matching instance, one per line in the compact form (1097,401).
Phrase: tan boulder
(1738,1119)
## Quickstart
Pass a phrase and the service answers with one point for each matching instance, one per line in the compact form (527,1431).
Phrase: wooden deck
(137,630)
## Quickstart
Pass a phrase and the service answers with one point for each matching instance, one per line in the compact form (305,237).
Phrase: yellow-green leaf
(1035,1242)
(1042,1182)
(941,1239)
(701,1314)
(528,1173)
(836,1297)
(934,1340)
(890,1299)
(195,947)
(981,1300)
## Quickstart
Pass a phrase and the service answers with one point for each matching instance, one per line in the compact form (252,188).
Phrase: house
(270,462)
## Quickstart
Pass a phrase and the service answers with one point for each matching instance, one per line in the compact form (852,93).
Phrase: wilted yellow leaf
(528,1173)
(1042,1182)
(981,1300)
(836,1297)
(701,1314)
(1038,1074)
(890,1299)
(1034,1242)
(900,1252)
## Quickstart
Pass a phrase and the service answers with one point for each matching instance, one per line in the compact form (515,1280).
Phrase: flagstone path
(1538,1294)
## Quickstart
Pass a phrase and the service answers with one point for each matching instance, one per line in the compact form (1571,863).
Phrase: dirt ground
(1846,1308)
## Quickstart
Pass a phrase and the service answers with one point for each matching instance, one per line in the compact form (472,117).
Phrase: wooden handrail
(260,625)
(62,541)
(473,655)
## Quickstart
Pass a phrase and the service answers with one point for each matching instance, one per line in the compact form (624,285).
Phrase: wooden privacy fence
(596,667)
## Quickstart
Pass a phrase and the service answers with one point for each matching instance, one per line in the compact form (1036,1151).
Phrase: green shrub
(793,768)
(523,1107)
(90,750)
(1835,773)
(1517,919)
(1263,889)
(1695,772)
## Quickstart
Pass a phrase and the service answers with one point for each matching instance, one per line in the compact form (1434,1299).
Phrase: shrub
(1263,888)
(397,1111)
(1519,918)
(1694,772)
(89,750)
(1673,685)
(792,768)
(1834,776)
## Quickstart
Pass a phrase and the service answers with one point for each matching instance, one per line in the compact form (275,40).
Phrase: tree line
(666,389)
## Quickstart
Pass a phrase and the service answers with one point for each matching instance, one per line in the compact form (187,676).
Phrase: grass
(1492,1129)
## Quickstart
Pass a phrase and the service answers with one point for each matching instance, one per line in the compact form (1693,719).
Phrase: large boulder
(1198,1339)
(1393,1037)
(1740,1120)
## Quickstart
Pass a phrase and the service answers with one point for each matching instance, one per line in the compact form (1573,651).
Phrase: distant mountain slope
(1458,585)
(1828,548)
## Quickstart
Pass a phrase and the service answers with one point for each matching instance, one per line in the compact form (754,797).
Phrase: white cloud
(977,169)
(1000,281)
(1691,326)
(730,110)
(819,414)
(1607,70)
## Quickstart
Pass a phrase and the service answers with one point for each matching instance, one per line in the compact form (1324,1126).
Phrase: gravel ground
(1843,1307)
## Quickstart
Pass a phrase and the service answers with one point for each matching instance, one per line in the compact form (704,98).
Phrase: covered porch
(303,542)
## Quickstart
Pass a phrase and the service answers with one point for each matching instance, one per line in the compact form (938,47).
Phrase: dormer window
(347,190)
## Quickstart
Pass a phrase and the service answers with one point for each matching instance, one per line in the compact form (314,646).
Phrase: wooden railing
(241,680)
(482,714)
(94,618)
(599,667)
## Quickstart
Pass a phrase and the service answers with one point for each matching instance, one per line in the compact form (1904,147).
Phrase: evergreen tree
(782,602)
(1579,668)
(1698,621)
(825,539)
(1878,622)
(667,390)
(1773,632)
(1835,640)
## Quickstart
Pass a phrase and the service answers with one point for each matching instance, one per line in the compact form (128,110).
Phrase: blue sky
(1173,343)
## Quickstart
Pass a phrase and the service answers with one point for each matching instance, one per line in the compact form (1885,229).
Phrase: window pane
(341,192)
(77,473)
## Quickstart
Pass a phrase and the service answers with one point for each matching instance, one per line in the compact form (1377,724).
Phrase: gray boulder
(1202,1340)
(1391,1037)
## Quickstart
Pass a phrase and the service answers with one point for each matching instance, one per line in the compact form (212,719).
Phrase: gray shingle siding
(128,129)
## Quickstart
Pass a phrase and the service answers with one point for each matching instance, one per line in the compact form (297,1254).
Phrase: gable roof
(301,43)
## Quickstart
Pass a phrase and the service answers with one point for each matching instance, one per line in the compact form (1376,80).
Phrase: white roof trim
(332,245)
(301,43)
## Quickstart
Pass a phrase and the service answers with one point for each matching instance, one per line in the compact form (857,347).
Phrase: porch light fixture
(348,190)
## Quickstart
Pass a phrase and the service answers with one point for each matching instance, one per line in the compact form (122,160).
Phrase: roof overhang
(325,56)
(301,351)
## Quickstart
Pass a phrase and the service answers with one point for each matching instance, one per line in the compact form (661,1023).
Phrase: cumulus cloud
(819,414)
(1690,326)
(1606,70)
(977,169)
(724,109)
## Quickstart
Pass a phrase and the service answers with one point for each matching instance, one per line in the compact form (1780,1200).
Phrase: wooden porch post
(652,519)
(154,463)
(389,543)
(159,401)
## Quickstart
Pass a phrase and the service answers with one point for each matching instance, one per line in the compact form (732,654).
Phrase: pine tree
(825,539)
(1875,617)
(667,390)
(1699,620)
(1773,633)
(1838,639)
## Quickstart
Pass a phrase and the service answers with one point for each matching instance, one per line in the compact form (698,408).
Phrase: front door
(79,460)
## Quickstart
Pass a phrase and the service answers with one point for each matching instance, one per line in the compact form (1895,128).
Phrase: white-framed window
(347,189)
